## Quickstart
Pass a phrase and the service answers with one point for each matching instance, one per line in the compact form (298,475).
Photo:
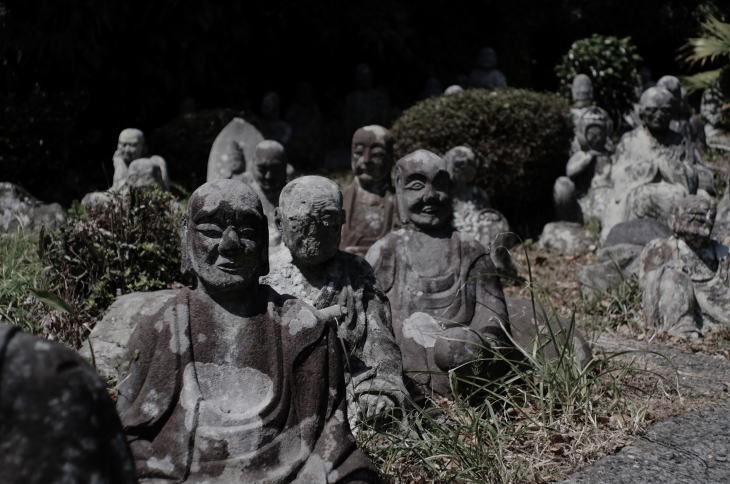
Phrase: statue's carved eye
(209,230)
(415,185)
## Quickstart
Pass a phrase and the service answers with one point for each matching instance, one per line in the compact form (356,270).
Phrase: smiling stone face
(423,188)
(226,236)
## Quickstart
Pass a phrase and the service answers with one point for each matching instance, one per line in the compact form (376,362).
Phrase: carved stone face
(310,219)
(269,166)
(710,106)
(694,217)
(462,164)
(423,187)
(131,144)
(371,156)
(655,109)
(582,91)
(595,136)
(225,237)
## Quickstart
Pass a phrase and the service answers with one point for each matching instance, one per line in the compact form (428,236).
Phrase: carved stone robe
(449,300)
(365,222)
(275,412)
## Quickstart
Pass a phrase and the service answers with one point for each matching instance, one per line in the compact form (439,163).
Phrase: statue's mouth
(431,209)
(230,267)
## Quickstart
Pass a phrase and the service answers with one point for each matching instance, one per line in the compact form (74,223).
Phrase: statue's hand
(331,314)
(457,346)
(372,404)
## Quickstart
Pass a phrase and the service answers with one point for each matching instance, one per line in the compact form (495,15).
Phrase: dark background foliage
(73,73)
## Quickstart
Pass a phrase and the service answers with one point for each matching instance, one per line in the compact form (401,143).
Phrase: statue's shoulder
(357,267)
(471,248)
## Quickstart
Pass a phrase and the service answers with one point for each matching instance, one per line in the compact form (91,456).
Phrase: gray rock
(637,232)
(688,449)
(57,420)
(597,279)
(566,238)
(21,210)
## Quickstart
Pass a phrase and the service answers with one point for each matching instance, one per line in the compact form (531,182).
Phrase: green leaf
(52,300)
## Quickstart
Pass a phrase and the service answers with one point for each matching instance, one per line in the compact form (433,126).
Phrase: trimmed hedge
(520,138)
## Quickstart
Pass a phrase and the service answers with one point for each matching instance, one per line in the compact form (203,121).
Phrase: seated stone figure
(267,176)
(653,168)
(230,382)
(711,112)
(473,214)
(368,200)
(446,299)
(141,173)
(314,270)
(131,146)
(579,195)
(485,74)
(682,119)
(57,421)
(581,91)
(685,278)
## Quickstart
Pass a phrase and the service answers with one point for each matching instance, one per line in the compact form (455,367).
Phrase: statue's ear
(277,218)
(186,265)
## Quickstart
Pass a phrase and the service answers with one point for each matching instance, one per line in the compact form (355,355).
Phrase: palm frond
(701,80)
(713,43)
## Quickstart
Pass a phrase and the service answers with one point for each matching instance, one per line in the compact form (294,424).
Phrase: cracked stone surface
(689,448)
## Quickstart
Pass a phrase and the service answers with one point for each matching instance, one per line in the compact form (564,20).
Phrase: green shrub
(611,64)
(130,244)
(520,138)
(21,272)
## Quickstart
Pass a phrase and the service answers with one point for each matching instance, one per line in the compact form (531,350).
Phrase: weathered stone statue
(272,125)
(141,173)
(682,114)
(131,146)
(587,170)
(654,167)
(485,73)
(57,421)
(232,148)
(369,202)
(313,269)
(685,278)
(231,382)
(453,89)
(473,214)
(711,112)
(582,95)
(366,104)
(446,299)
(267,176)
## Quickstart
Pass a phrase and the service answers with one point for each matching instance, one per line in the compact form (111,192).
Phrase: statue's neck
(241,301)
(376,188)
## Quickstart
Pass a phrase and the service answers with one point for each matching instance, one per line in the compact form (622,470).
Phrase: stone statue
(232,148)
(685,278)
(58,423)
(653,168)
(368,200)
(366,104)
(681,115)
(231,382)
(473,214)
(485,74)
(453,89)
(313,269)
(587,170)
(267,176)
(272,125)
(141,173)
(711,111)
(582,95)
(131,146)
(446,299)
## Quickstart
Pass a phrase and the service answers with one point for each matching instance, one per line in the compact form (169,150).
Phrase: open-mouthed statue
(445,296)
(231,382)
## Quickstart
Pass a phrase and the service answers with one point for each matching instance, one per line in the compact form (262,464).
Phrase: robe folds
(273,412)
(365,224)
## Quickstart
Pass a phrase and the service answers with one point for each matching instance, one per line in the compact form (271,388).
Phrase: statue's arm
(577,163)
(120,171)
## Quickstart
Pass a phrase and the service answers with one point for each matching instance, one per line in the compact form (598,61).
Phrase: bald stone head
(462,163)
(693,218)
(453,89)
(225,237)
(269,166)
(423,189)
(131,144)
(372,157)
(671,84)
(655,109)
(144,173)
(582,91)
(310,218)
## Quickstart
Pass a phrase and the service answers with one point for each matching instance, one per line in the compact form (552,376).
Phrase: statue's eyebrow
(415,176)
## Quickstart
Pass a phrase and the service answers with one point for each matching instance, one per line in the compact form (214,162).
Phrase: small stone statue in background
(682,122)
(313,269)
(368,201)
(580,194)
(445,296)
(131,146)
(232,150)
(654,167)
(473,214)
(232,382)
(453,89)
(272,125)
(711,111)
(57,421)
(485,74)
(582,95)
(685,278)
(267,176)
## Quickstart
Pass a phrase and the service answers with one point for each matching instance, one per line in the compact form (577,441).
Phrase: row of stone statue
(653,195)
(261,370)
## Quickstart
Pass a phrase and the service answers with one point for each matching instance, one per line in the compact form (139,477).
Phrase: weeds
(21,272)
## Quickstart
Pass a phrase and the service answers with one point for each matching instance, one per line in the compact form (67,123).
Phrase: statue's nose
(229,241)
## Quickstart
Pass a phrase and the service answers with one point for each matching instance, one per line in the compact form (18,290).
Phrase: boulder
(567,238)
(21,210)
(637,232)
